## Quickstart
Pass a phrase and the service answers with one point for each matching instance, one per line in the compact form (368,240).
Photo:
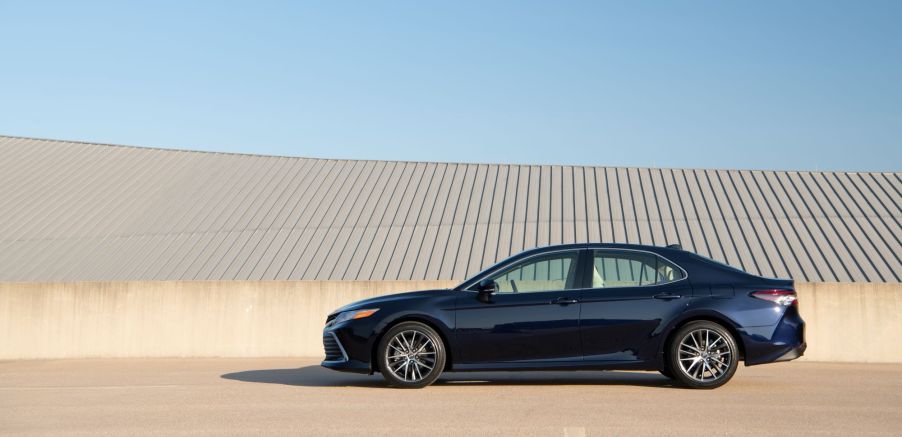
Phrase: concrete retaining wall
(860,322)
(846,322)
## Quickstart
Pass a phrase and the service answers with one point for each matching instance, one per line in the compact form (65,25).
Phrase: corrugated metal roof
(80,211)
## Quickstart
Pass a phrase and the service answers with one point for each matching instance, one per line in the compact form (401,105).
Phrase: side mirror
(487,286)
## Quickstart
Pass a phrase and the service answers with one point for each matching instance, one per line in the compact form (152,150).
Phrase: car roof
(645,247)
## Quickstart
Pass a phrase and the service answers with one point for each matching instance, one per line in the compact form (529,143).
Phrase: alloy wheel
(411,356)
(704,355)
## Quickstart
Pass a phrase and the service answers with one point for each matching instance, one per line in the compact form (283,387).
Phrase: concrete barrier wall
(860,322)
(181,319)
(846,322)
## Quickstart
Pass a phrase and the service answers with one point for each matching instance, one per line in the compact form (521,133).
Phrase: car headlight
(355,314)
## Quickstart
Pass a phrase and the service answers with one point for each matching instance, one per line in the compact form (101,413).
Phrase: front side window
(613,268)
(552,272)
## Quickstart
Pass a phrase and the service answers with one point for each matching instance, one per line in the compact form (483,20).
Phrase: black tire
(667,372)
(387,356)
(710,356)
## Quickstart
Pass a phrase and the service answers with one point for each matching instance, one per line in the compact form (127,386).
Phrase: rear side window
(622,268)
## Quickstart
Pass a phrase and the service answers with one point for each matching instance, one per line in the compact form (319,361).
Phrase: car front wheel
(411,355)
(703,354)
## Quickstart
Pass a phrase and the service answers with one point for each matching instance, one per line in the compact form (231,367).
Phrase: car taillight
(782,297)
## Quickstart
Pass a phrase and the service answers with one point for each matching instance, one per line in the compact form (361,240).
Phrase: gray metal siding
(79,211)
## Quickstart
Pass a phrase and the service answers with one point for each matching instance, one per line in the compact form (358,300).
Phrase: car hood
(375,301)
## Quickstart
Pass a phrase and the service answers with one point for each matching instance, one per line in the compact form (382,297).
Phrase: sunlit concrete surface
(849,322)
(250,396)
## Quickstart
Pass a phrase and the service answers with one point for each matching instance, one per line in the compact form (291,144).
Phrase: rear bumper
(784,341)
(793,353)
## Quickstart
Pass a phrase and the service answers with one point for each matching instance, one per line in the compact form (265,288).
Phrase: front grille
(333,350)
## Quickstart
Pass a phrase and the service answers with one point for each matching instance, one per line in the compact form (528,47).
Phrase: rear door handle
(667,296)
(564,301)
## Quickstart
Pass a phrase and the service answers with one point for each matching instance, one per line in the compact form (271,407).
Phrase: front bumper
(352,366)
(347,346)
(337,358)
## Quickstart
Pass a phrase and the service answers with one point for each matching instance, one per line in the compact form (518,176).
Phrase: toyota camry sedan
(576,307)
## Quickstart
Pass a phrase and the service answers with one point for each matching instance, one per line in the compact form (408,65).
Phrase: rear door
(629,295)
(532,318)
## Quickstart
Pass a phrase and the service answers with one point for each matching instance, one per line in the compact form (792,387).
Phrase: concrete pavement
(296,396)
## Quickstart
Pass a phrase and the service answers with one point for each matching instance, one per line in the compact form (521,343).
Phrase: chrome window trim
(590,249)
(344,354)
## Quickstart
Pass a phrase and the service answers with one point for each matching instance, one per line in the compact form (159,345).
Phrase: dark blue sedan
(579,307)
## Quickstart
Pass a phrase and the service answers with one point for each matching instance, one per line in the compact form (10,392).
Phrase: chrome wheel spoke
(704,355)
(692,336)
(695,362)
(689,349)
(713,369)
(411,356)
(423,346)
(719,362)
(719,367)
(398,346)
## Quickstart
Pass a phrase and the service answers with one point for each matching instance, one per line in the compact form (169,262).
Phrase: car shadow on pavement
(309,376)
(316,376)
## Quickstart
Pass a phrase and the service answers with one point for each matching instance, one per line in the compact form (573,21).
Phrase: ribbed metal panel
(79,211)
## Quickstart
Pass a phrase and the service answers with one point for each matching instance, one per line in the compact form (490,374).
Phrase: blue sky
(754,84)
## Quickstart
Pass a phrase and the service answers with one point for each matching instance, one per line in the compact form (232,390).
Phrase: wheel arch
(718,318)
(424,319)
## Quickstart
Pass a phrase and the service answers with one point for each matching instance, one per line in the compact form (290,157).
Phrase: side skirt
(555,365)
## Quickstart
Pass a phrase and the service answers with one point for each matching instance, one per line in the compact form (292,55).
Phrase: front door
(533,316)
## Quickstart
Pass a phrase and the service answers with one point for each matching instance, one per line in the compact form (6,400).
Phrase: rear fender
(701,314)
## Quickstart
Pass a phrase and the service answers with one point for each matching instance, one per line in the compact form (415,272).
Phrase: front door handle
(564,301)
(667,296)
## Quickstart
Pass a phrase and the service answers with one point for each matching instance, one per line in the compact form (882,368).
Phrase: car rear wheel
(703,354)
(411,355)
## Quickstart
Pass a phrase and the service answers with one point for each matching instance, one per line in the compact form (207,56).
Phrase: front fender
(443,323)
